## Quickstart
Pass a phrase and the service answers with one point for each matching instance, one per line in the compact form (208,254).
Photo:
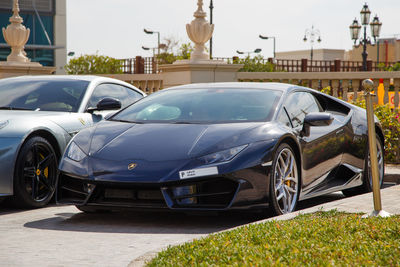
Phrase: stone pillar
(199,68)
(186,73)
(199,31)
(16,36)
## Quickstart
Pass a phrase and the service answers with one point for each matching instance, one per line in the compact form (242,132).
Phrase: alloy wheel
(286,181)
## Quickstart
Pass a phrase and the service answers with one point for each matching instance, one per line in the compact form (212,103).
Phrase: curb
(143,259)
(392,173)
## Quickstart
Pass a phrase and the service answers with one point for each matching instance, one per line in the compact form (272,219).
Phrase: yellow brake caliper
(45,171)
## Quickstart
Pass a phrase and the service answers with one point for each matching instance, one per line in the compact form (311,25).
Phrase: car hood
(22,121)
(162,142)
(17,114)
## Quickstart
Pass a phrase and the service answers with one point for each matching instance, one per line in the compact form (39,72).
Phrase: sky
(115,28)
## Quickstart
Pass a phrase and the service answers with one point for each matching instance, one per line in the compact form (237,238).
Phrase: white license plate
(198,172)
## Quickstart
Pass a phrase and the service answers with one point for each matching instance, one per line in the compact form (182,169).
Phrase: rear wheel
(367,175)
(35,174)
(284,184)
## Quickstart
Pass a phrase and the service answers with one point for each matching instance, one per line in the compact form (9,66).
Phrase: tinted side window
(122,93)
(298,105)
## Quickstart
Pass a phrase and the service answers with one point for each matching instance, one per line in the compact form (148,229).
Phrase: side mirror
(318,119)
(107,103)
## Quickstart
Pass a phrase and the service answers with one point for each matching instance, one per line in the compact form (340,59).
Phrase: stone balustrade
(148,83)
(346,85)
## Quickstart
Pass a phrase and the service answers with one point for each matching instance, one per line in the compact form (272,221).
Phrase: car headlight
(3,124)
(225,155)
(75,153)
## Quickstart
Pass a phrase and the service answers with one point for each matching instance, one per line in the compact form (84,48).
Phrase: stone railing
(148,83)
(346,85)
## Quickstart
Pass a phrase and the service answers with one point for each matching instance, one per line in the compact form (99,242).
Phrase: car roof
(238,85)
(88,78)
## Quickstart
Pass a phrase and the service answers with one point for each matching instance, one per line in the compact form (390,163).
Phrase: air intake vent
(27,5)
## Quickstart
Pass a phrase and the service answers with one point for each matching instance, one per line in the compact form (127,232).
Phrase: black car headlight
(74,152)
(222,156)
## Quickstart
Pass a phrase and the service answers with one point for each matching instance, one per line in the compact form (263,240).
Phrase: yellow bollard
(378,212)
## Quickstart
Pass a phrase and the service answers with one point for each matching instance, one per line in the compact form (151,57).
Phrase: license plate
(198,172)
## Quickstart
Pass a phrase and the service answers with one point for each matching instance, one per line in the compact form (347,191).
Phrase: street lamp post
(148,48)
(375,31)
(158,38)
(211,22)
(266,38)
(256,51)
(311,35)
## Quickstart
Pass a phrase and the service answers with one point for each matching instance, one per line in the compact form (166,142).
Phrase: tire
(367,176)
(35,174)
(285,181)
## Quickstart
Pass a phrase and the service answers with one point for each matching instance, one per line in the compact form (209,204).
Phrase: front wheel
(284,184)
(35,174)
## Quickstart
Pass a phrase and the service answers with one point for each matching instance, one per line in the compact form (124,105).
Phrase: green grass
(319,239)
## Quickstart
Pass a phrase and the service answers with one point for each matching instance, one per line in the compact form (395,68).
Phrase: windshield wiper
(14,108)
(128,121)
(180,122)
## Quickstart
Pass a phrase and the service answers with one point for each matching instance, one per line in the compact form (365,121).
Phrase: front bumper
(211,193)
(8,153)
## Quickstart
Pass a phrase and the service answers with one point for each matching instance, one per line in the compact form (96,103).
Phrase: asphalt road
(64,236)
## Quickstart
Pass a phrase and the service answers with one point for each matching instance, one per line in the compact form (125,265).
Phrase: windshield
(45,95)
(216,105)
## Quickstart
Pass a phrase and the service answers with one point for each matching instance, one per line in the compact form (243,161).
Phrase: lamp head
(355,30)
(148,31)
(365,14)
(376,26)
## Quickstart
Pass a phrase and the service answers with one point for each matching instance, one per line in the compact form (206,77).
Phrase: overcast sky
(115,28)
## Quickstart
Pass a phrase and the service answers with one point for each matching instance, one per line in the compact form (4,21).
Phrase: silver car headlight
(3,124)
(222,156)
(75,152)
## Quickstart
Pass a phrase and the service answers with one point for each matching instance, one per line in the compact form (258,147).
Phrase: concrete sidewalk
(357,204)
(392,173)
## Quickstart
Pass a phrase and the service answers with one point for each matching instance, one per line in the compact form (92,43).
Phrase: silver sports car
(38,117)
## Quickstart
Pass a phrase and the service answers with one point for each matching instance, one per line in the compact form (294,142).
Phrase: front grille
(217,193)
(210,194)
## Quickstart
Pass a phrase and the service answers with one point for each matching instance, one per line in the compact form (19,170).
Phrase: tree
(255,64)
(170,53)
(94,64)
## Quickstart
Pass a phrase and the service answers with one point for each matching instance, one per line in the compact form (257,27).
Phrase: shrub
(390,120)
(94,64)
(395,67)
(320,239)
(255,64)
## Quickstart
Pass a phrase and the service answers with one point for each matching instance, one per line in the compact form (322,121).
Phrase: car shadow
(155,222)
(132,222)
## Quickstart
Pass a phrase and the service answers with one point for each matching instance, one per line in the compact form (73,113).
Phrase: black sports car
(220,146)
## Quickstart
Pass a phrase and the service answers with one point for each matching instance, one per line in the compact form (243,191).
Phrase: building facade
(318,54)
(46,20)
(388,50)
